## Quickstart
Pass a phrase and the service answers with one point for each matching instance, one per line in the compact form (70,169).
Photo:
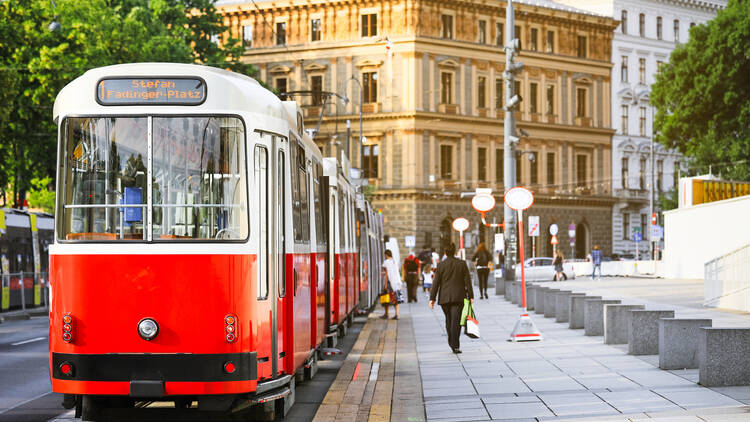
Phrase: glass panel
(104,167)
(199,189)
(261,196)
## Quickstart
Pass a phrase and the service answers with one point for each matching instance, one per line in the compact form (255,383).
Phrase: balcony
(536,117)
(448,108)
(551,118)
(641,194)
(500,113)
(583,121)
(371,108)
(482,112)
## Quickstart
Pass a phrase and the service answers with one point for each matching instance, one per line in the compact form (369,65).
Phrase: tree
(703,94)
(36,63)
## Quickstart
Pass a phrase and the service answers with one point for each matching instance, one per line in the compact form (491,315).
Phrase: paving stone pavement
(567,376)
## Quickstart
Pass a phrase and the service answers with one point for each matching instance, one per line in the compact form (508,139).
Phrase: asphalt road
(25,390)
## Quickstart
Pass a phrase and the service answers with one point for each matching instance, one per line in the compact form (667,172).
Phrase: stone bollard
(678,342)
(515,289)
(616,322)
(562,305)
(507,293)
(575,315)
(593,315)
(722,357)
(499,283)
(530,296)
(643,331)
(550,302)
(539,300)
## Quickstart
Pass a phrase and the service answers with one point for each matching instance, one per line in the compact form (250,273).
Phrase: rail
(727,284)
(24,290)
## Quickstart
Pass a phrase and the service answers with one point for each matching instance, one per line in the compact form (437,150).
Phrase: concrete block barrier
(593,315)
(515,292)
(507,293)
(575,314)
(643,331)
(539,300)
(678,342)
(616,322)
(550,300)
(722,357)
(530,296)
(562,305)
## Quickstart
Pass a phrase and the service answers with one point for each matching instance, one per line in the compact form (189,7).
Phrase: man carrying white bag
(469,320)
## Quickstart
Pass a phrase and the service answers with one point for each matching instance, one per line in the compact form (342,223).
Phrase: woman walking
(482,260)
(558,263)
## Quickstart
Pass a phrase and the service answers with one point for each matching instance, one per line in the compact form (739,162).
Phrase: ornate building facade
(432,105)
(648,32)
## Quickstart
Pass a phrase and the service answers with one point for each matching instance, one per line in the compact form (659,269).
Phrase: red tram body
(204,249)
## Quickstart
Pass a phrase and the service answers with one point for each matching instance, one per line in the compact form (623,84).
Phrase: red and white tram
(204,249)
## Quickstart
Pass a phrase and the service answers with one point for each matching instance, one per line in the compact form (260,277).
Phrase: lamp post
(361,99)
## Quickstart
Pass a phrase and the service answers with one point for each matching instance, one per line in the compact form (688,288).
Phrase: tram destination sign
(151,91)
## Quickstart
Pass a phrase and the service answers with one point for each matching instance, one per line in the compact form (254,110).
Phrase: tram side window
(300,196)
(199,188)
(342,224)
(261,198)
(103,183)
(320,235)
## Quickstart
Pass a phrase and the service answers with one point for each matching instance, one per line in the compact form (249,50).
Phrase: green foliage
(703,94)
(36,63)
(668,200)
(40,196)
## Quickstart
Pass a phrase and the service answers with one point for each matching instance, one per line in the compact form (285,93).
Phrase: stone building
(648,32)
(432,104)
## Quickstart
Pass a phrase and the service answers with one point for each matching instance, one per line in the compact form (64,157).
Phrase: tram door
(279,190)
(332,242)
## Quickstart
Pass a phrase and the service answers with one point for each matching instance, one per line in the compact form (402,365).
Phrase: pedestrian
(558,263)
(427,272)
(425,256)
(393,281)
(482,260)
(411,273)
(452,284)
(435,259)
(596,262)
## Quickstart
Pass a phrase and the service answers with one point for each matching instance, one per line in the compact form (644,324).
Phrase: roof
(548,4)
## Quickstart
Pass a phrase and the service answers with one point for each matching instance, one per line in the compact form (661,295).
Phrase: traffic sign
(483,203)
(519,198)
(554,240)
(637,235)
(534,225)
(460,224)
(410,241)
(657,232)
(572,231)
(553,229)
(499,242)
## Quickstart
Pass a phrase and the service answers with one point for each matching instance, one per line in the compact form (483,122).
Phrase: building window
(624,22)
(247,36)
(642,71)
(499,34)
(481,92)
(624,119)
(550,169)
(446,88)
(582,46)
(534,169)
(644,224)
(642,125)
(550,99)
(370,87)
(482,164)
(659,174)
(482,29)
(676,30)
(447,21)
(370,155)
(517,88)
(517,34)
(658,27)
(316,86)
(280,33)
(315,30)
(550,47)
(624,69)
(533,103)
(446,161)
(659,64)
(580,102)
(642,25)
(625,226)
(692,24)
(533,42)
(518,170)
(499,165)
(581,170)
(370,25)
(624,172)
(498,94)
(642,174)
(281,85)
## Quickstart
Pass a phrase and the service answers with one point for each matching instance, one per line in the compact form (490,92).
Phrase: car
(541,269)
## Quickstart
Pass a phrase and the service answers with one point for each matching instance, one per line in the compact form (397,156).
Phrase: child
(427,278)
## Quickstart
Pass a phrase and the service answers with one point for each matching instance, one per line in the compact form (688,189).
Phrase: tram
(204,250)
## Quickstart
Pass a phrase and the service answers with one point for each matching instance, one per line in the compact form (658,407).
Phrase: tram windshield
(195,172)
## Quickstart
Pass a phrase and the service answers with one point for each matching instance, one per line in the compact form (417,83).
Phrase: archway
(582,240)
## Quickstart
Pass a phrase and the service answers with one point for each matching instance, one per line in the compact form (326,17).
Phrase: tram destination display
(151,91)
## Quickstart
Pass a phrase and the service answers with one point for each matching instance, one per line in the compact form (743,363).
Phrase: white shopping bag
(472,327)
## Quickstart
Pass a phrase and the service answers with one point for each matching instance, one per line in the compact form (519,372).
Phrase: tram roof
(225,91)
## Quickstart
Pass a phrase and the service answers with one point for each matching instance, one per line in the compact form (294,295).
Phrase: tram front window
(197,179)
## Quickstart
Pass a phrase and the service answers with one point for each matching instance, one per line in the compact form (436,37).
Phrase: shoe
(383,316)
(456,351)
(396,317)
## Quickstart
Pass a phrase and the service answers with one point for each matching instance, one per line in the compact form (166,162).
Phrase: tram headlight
(148,328)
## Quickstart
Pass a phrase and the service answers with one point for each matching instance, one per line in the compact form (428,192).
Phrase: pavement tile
(518,410)
(552,383)
(637,401)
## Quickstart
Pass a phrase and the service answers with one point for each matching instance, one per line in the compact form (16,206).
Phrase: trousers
(412,282)
(482,274)
(597,266)
(452,313)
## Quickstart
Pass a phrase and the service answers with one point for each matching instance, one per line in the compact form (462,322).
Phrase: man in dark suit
(453,283)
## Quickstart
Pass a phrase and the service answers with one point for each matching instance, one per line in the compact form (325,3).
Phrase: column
(432,94)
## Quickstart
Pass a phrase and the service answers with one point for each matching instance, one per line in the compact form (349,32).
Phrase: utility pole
(651,193)
(511,139)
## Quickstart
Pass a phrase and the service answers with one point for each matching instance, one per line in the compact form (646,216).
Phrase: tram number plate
(151,91)
(146,388)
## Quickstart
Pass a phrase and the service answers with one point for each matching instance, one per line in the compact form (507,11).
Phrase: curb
(23,315)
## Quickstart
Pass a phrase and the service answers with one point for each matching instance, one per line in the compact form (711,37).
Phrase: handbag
(385,298)
(471,328)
